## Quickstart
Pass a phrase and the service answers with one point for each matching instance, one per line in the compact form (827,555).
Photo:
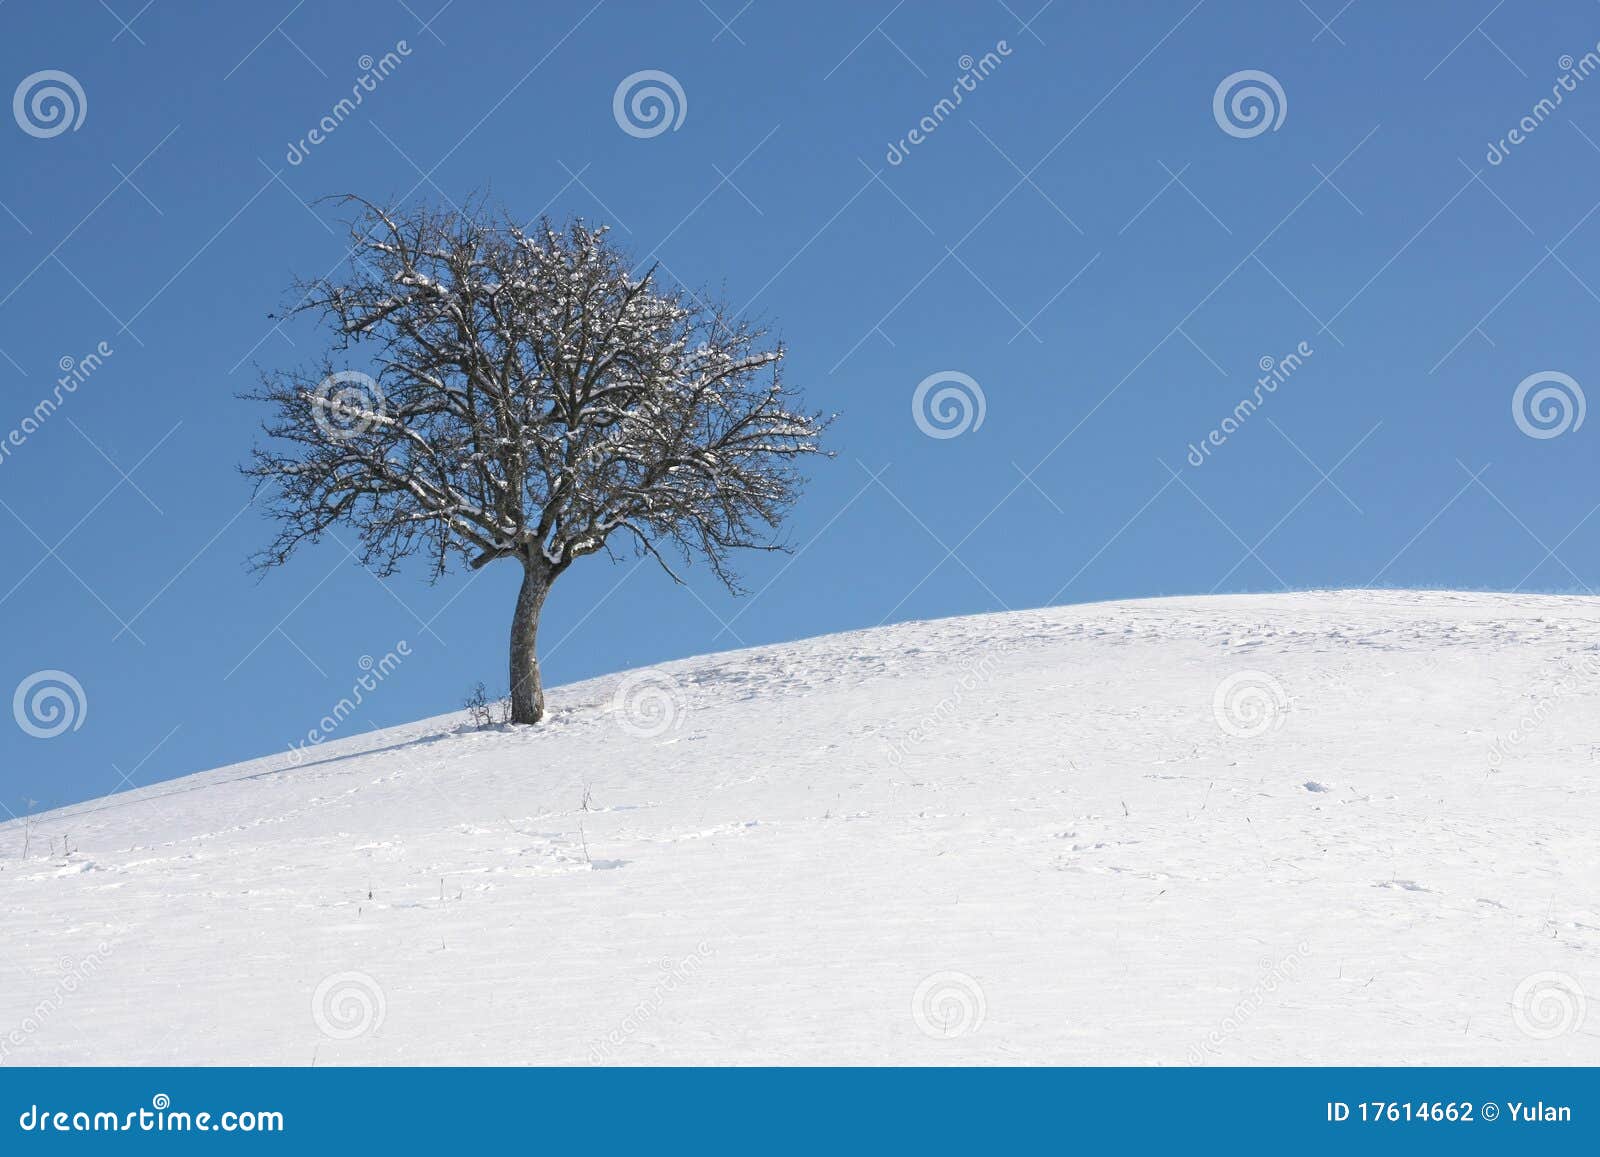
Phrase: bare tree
(530,399)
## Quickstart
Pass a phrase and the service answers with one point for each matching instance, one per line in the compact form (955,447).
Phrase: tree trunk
(527,691)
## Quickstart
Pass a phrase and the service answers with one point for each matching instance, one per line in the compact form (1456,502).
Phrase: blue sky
(1082,238)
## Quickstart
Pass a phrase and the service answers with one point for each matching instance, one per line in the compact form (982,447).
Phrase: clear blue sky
(1080,236)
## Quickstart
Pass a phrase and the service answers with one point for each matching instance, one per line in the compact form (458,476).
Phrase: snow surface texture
(1346,827)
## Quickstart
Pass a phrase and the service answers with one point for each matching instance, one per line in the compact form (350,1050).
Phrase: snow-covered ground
(1328,827)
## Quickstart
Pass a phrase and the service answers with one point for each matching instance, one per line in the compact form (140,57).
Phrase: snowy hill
(1342,827)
